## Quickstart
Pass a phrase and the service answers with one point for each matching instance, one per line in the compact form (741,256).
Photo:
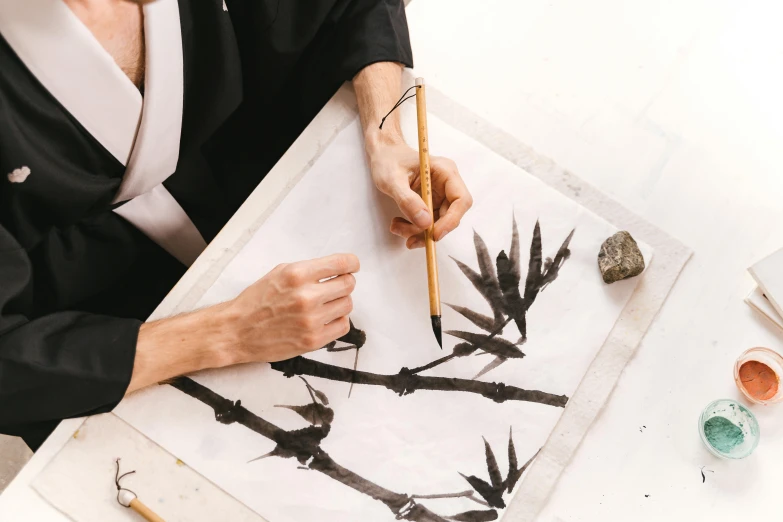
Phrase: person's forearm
(294,309)
(178,345)
(377,89)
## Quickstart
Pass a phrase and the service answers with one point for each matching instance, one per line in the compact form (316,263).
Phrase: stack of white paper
(767,297)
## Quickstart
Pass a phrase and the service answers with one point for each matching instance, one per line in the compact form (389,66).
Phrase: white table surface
(673,109)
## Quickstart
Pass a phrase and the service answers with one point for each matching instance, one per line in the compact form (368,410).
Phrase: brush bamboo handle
(144,511)
(426,194)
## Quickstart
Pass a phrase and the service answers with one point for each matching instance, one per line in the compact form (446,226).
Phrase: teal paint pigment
(722,434)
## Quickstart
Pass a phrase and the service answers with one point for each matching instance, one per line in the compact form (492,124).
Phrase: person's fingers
(450,219)
(444,167)
(336,309)
(443,209)
(336,288)
(410,203)
(416,241)
(315,270)
(456,197)
(403,228)
(335,330)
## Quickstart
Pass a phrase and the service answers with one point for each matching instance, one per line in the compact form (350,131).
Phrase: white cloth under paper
(417,443)
(79,481)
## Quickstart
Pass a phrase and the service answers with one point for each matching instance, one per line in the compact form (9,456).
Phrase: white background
(674,109)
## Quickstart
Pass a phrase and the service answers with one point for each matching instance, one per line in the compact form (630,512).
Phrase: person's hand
(286,313)
(395,171)
(292,310)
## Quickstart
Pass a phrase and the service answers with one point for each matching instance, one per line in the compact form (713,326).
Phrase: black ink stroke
(304,445)
(486,515)
(355,339)
(499,285)
(406,382)
(500,288)
(494,490)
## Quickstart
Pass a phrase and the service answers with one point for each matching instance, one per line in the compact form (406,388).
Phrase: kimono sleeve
(58,365)
(373,31)
(300,40)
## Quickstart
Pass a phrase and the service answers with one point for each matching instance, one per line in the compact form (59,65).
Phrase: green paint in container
(728,429)
(722,434)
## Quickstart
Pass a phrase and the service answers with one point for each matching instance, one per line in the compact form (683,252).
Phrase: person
(130,132)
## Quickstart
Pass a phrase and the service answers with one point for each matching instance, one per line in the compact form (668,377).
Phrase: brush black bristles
(436,328)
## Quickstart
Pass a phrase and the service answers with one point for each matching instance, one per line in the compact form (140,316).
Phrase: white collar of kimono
(69,61)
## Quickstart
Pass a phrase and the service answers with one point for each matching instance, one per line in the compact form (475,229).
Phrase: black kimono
(106,196)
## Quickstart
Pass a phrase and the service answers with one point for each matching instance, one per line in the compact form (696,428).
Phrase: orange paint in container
(757,373)
(759,380)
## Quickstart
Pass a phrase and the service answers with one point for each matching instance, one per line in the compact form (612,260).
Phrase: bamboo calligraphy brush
(137,506)
(129,499)
(426,194)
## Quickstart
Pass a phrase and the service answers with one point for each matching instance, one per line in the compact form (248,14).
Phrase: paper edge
(36,484)
(759,278)
(754,300)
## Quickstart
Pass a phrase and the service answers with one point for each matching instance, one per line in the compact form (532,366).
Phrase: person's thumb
(411,205)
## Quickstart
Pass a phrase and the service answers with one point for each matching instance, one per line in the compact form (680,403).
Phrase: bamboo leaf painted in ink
(513,253)
(314,413)
(483,258)
(553,268)
(339,348)
(488,288)
(493,496)
(547,265)
(315,393)
(274,453)
(484,322)
(497,361)
(354,336)
(321,396)
(532,281)
(492,466)
(496,345)
(512,462)
(355,339)
(514,478)
(473,276)
(509,285)
(464,349)
(485,515)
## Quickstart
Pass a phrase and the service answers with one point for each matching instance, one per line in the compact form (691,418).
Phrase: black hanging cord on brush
(118,478)
(399,102)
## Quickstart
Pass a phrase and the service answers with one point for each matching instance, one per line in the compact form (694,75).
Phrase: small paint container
(757,373)
(728,429)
